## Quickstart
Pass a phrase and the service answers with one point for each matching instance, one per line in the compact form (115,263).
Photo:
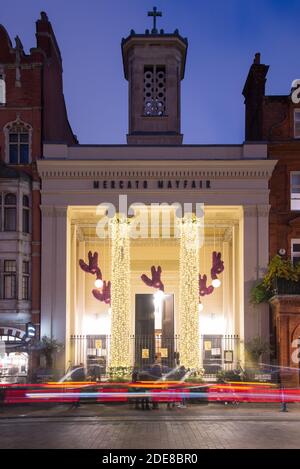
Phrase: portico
(231,182)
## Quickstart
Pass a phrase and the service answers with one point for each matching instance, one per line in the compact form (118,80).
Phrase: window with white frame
(2,90)
(297,123)
(10,280)
(295,190)
(10,212)
(26,214)
(25,280)
(18,142)
(295,251)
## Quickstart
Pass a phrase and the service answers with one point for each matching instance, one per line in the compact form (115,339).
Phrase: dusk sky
(223,38)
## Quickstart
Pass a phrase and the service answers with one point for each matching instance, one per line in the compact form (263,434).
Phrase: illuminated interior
(220,313)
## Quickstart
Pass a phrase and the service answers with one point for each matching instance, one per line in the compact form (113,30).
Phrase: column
(48,269)
(189,293)
(55,273)
(256,255)
(227,310)
(263,260)
(250,263)
(120,292)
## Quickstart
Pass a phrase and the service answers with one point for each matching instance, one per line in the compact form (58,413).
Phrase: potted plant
(47,348)
(281,277)
(256,347)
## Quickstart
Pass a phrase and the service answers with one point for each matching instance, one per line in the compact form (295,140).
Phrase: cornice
(153,169)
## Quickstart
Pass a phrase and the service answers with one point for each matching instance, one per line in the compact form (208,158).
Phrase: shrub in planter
(278,269)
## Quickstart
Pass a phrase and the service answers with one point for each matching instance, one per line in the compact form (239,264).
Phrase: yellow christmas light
(120,292)
(189,292)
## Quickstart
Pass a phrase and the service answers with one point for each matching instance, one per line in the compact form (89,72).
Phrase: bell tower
(154,65)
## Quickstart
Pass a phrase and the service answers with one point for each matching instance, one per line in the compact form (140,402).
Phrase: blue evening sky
(223,38)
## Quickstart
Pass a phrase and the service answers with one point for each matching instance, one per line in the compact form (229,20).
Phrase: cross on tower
(154,13)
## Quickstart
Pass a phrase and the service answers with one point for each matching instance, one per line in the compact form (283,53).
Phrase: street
(198,427)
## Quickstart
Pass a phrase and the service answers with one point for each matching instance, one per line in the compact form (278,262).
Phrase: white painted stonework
(238,178)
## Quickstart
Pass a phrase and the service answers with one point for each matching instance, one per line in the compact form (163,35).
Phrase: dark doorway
(154,331)
(144,330)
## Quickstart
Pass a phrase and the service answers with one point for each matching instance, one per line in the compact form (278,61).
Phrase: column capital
(47,210)
(250,210)
(263,210)
(61,211)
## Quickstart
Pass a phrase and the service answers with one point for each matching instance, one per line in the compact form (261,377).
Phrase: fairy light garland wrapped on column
(120,292)
(189,292)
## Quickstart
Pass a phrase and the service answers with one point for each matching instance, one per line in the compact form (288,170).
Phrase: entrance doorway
(154,330)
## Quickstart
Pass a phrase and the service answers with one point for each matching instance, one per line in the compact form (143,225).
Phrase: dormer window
(2,90)
(154,90)
(297,123)
(18,142)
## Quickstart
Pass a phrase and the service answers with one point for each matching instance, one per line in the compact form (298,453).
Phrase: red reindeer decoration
(105,294)
(155,281)
(92,266)
(217,265)
(217,268)
(203,288)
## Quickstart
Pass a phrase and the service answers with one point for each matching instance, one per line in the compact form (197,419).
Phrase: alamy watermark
(295,95)
(154,220)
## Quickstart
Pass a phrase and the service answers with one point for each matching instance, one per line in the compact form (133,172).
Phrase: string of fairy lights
(189,291)
(120,292)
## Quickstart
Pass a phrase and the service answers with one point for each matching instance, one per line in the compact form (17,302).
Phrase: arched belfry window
(154,90)
(18,142)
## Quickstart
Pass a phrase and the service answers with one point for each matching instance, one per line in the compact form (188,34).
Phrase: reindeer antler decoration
(203,288)
(92,268)
(105,295)
(155,281)
(217,268)
(217,265)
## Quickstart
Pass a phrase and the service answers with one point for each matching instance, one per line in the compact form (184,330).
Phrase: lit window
(10,212)
(2,90)
(295,251)
(25,281)
(25,214)
(297,123)
(10,280)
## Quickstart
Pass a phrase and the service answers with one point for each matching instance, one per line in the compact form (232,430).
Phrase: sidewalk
(125,412)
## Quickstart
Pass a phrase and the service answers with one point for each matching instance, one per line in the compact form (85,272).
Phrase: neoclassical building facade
(143,252)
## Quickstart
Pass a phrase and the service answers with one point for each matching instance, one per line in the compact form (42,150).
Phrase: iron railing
(282,286)
(217,352)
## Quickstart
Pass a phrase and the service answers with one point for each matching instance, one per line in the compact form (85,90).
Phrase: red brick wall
(38,101)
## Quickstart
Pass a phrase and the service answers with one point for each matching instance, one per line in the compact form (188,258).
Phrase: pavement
(212,411)
(95,426)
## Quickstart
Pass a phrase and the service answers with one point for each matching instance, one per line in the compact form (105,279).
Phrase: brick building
(275,120)
(32,110)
